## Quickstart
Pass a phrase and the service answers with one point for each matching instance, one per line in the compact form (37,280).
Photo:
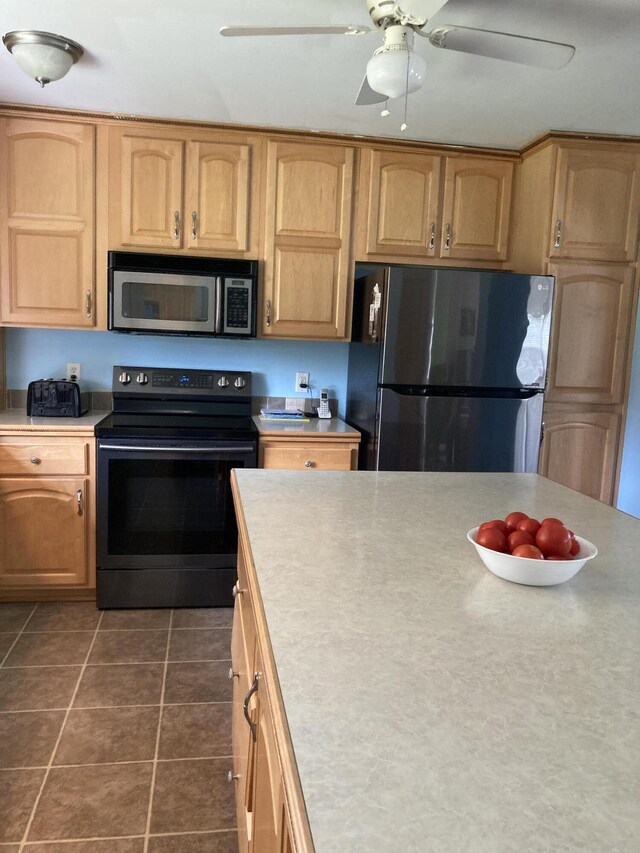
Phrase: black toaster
(56,398)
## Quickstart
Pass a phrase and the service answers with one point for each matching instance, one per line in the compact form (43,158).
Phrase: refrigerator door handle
(541,432)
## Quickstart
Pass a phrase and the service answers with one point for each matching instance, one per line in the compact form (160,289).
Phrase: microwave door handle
(218,314)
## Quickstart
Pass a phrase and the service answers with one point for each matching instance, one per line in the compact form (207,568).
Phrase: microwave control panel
(237,306)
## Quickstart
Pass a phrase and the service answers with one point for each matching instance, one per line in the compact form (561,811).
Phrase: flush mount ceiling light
(394,69)
(43,56)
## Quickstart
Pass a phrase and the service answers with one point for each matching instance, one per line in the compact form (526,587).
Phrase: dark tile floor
(115,730)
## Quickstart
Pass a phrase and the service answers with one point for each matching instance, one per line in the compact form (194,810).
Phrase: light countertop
(312,428)
(15,420)
(433,707)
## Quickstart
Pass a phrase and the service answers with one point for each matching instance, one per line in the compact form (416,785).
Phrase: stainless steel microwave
(177,295)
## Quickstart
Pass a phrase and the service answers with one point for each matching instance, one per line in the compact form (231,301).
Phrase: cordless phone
(323,408)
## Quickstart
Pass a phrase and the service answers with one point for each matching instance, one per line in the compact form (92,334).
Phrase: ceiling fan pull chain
(385,111)
(403,126)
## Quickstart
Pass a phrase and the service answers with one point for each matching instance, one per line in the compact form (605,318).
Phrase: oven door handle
(218,315)
(177,450)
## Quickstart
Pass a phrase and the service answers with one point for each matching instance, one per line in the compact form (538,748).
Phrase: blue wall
(37,353)
(629,488)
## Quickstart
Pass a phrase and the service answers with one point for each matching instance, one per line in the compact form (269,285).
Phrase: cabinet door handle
(232,777)
(233,673)
(432,236)
(268,321)
(176,224)
(236,591)
(35,460)
(194,224)
(447,239)
(245,705)
(556,245)
(87,303)
(79,501)
(308,463)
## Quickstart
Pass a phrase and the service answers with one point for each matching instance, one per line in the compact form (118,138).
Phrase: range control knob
(240,382)
(223,382)
(124,378)
(142,379)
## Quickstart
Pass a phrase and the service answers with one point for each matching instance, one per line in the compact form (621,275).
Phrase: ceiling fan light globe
(387,72)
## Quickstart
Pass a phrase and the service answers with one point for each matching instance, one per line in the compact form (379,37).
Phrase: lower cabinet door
(44,532)
(579,451)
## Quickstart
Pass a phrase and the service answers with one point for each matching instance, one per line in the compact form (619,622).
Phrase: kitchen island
(415,702)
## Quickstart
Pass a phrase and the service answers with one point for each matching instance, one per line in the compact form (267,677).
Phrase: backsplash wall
(41,353)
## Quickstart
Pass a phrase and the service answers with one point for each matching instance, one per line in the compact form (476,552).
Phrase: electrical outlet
(302,382)
(73,371)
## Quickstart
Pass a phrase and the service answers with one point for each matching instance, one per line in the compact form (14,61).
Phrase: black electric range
(166,529)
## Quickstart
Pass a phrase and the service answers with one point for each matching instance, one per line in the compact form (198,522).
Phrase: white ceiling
(166,58)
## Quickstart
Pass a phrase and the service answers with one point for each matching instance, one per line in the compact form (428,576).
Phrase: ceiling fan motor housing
(386,12)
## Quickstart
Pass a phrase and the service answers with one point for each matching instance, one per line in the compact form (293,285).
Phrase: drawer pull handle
(233,673)
(308,463)
(232,777)
(245,705)
(236,591)
(35,460)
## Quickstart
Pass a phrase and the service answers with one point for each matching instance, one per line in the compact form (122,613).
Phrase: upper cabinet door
(596,204)
(148,201)
(218,196)
(47,187)
(308,222)
(476,209)
(590,332)
(403,203)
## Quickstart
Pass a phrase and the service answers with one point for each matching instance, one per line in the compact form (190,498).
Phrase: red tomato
(575,546)
(529,551)
(518,537)
(492,538)
(513,518)
(497,523)
(554,539)
(530,525)
(551,520)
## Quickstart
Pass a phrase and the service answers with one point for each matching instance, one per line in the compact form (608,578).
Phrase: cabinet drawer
(325,456)
(43,457)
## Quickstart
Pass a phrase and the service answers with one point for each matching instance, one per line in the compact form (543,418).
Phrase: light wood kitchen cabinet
(421,207)
(47,515)
(47,228)
(596,203)
(476,208)
(262,817)
(579,450)
(591,327)
(401,193)
(183,191)
(323,454)
(307,241)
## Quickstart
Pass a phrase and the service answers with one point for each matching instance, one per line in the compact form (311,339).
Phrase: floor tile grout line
(158,734)
(57,743)
(116,663)
(120,630)
(113,707)
(125,837)
(112,764)
(20,633)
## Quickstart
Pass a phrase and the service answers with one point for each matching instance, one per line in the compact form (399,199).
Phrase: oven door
(165,302)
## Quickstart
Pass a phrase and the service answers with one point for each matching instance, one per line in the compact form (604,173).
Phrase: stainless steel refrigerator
(447,368)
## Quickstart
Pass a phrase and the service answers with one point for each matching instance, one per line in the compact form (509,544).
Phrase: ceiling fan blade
(511,48)
(294,31)
(366,95)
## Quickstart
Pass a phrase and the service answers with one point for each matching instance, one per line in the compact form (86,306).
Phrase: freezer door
(468,328)
(434,433)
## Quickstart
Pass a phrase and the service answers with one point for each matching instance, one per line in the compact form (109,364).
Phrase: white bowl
(533,572)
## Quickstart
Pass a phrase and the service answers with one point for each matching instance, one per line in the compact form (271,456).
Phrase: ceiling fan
(396,70)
